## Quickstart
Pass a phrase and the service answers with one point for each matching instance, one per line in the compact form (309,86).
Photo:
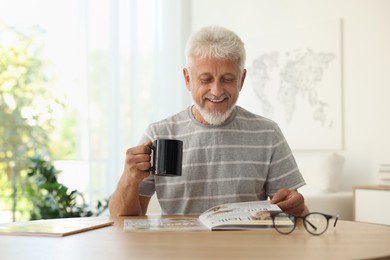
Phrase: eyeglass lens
(314,223)
(284,223)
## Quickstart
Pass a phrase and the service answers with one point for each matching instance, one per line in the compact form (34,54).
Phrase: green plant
(28,113)
(26,108)
(51,199)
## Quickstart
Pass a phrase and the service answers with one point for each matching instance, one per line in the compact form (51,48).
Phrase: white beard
(215,117)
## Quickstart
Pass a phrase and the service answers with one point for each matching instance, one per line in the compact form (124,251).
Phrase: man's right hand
(137,164)
(125,200)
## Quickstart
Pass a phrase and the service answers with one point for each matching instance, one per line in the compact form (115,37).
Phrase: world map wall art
(294,78)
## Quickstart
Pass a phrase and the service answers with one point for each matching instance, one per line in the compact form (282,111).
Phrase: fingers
(290,201)
(141,149)
(137,162)
(280,195)
(138,157)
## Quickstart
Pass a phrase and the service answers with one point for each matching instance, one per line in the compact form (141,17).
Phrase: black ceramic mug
(167,155)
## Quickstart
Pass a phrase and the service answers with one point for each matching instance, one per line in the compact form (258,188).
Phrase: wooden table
(349,240)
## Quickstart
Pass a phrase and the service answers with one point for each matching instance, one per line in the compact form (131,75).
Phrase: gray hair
(215,42)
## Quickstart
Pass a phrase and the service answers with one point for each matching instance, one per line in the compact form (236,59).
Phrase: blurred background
(80,80)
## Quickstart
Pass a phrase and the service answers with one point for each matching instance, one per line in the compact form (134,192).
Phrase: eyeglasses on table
(315,223)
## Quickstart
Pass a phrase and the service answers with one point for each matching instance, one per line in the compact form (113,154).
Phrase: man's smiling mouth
(216,99)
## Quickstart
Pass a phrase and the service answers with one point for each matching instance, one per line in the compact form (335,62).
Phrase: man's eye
(205,80)
(227,80)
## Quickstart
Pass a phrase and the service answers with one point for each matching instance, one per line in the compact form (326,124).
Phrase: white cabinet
(372,204)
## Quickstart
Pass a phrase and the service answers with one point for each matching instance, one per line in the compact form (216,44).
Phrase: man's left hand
(290,201)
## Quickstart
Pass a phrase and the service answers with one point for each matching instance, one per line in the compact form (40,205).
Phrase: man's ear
(187,78)
(243,78)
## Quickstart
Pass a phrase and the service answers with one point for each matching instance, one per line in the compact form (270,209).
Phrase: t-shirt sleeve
(283,171)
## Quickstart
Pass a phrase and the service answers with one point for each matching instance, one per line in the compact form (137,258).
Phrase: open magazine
(230,216)
(242,215)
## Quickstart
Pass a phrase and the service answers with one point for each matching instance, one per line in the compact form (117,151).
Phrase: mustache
(215,98)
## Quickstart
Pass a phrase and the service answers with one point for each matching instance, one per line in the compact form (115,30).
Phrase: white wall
(366,67)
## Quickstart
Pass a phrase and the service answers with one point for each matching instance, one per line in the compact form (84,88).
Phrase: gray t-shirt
(245,159)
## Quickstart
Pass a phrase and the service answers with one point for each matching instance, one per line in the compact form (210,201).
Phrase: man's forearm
(125,201)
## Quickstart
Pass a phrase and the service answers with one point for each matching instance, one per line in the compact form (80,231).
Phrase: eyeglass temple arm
(311,224)
(335,221)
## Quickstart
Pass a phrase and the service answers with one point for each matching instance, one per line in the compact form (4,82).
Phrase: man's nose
(216,89)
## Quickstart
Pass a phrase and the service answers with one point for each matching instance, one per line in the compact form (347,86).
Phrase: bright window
(117,67)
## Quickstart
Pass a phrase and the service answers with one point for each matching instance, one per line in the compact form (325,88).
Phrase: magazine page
(241,215)
(163,224)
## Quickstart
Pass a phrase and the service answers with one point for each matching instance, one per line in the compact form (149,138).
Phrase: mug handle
(153,152)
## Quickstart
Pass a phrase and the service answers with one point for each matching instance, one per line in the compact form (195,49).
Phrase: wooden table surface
(348,240)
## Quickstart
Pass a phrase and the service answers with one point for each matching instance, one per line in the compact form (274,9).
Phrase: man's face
(215,85)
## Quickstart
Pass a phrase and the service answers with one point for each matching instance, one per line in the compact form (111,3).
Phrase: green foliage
(26,107)
(28,116)
(63,139)
(52,199)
